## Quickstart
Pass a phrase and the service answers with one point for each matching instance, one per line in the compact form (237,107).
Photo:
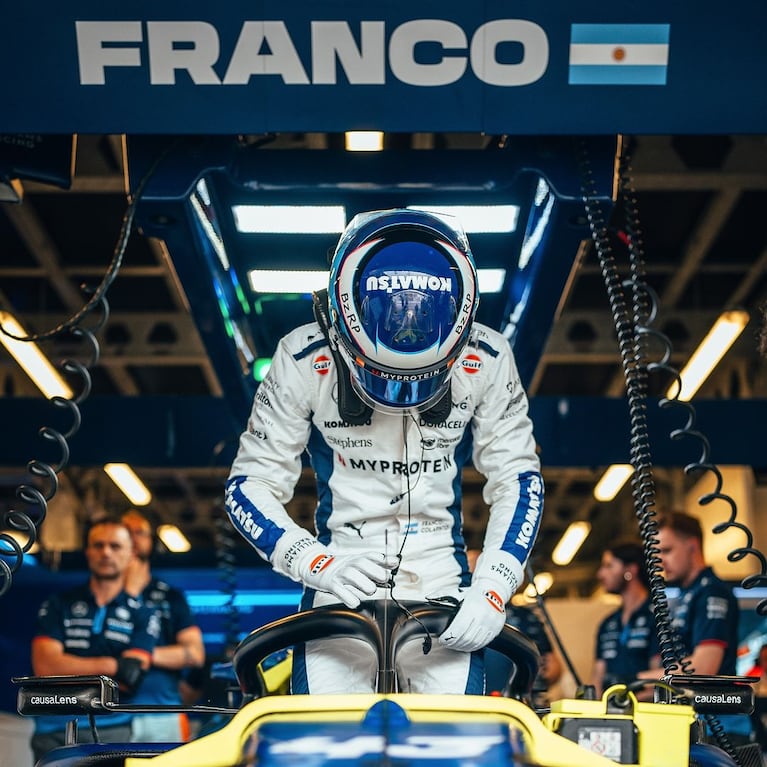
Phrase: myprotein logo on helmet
(415,281)
(406,376)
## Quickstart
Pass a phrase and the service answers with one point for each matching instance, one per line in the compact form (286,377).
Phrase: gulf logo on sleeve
(618,54)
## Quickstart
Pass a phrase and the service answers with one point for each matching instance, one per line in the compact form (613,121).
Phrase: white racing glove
(350,577)
(482,613)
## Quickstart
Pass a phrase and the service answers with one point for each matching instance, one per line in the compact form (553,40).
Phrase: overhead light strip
(611,482)
(34,363)
(306,281)
(364,141)
(331,219)
(706,357)
(128,481)
(175,541)
(289,219)
(570,542)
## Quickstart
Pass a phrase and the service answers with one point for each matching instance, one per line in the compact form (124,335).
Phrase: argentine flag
(618,54)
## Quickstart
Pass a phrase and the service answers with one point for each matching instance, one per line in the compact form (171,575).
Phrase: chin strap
(351,408)
(439,412)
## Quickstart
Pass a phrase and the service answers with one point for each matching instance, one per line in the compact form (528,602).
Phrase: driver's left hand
(479,619)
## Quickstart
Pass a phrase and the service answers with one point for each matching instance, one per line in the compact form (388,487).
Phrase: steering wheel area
(363,624)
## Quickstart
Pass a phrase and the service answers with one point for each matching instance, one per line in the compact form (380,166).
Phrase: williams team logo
(471,363)
(321,365)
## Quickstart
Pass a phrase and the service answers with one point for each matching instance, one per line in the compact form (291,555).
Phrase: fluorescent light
(173,538)
(290,219)
(127,480)
(35,364)
(542,582)
(305,281)
(706,357)
(287,281)
(612,481)
(491,280)
(213,236)
(570,542)
(364,141)
(531,243)
(477,218)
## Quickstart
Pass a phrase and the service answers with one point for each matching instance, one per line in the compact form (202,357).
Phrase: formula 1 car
(389,727)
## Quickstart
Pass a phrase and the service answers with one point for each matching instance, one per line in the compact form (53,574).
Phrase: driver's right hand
(350,577)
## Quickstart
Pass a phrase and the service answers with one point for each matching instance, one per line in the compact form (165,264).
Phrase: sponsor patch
(495,601)
(320,563)
(471,363)
(321,364)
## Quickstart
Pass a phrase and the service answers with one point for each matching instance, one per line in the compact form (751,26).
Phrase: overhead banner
(184,66)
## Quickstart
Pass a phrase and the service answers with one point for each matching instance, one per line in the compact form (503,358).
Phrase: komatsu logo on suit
(390,283)
(244,518)
(266,48)
(527,529)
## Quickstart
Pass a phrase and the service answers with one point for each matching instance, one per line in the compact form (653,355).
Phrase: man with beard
(178,647)
(96,628)
(705,615)
(626,639)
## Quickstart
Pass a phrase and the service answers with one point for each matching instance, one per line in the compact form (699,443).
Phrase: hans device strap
(350,407)
(439,412)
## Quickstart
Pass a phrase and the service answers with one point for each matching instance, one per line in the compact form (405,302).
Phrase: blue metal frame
(168,171)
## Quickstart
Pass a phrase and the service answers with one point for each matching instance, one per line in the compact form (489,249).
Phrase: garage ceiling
(701,201)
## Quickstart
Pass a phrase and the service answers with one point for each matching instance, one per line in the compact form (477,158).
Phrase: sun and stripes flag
(618,54)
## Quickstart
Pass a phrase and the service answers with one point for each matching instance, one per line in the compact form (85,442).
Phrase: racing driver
(391,391)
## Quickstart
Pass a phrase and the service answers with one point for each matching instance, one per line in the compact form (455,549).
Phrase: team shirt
(160,685)
(627,649)
(707,611)
(88,630)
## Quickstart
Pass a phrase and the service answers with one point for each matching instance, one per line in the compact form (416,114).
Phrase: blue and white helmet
(402,296)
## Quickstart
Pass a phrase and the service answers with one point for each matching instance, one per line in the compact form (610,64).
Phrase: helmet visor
(397,396)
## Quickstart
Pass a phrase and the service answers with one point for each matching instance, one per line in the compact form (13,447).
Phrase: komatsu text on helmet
(402,297)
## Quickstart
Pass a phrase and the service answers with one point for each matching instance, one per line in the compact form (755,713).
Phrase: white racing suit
(390,485)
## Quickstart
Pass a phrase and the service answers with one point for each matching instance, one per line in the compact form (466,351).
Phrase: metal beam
(191,431)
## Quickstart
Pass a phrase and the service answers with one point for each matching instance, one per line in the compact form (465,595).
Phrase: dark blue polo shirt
(160,685)
(87,630)
(707,611)
(626,650)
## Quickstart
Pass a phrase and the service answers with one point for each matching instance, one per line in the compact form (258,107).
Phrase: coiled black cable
(28,523)
(634,334)
(631,344)
(37,496)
